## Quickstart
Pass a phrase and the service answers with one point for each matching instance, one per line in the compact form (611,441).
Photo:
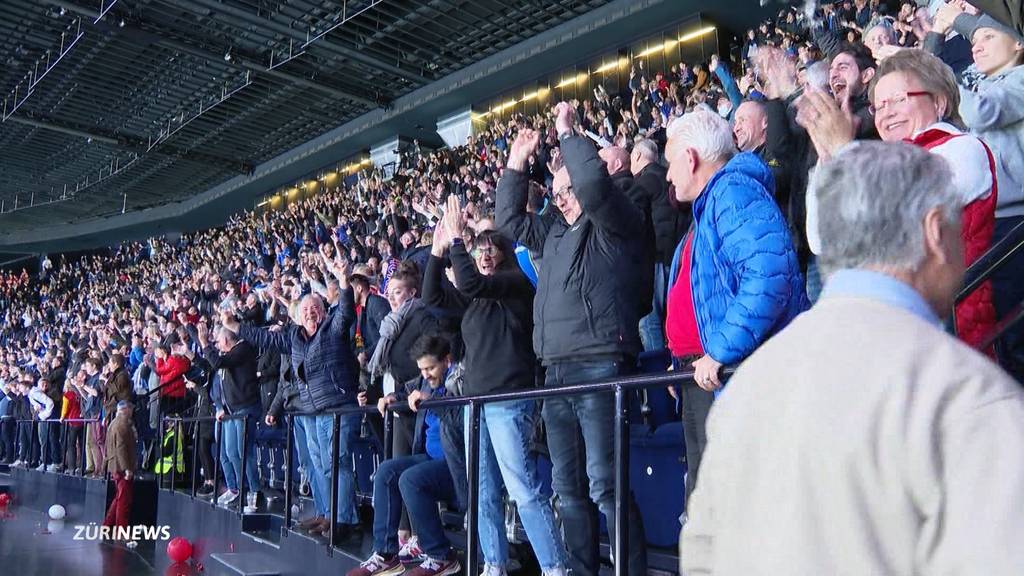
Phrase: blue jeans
(505,461)
(581,443)
(49,442)
(319,438)
(652,326)
(423,487)
(299,426)
(387,501)
(814,279)
(231,449)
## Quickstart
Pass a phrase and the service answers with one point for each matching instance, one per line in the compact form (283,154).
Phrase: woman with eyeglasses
(914,98)
(495,300)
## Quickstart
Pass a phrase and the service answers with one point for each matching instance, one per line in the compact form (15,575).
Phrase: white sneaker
(556,571)
(227,497)
(250,503)
(16,464)
(51,468)
(41,468)
(493,570)
(411,552)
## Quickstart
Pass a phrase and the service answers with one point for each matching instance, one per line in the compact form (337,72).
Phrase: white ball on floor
(57,512)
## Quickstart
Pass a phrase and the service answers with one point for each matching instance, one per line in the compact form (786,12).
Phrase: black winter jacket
(651,188)
(239,386)
(584,307)
(497,321)
(373,313)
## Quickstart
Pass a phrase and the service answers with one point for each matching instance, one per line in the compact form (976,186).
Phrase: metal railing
(65,425)
(993,260)
(178,422)
(619,387)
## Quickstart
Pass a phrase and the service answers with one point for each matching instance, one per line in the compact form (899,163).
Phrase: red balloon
(179,549)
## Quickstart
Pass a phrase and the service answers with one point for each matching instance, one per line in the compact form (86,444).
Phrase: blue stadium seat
(363,453)
(656,475)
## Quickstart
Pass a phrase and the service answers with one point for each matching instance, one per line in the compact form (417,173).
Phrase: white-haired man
(735,278)
(891,447)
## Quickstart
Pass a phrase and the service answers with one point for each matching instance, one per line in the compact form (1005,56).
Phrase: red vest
(976,315)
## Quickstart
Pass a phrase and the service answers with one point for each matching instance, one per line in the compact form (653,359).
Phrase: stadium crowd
(549,250)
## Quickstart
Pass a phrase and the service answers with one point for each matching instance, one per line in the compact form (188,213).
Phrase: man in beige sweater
(863,439)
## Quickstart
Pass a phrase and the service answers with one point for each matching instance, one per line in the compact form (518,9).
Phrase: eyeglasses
(484,251)
(562,193)
(899,99)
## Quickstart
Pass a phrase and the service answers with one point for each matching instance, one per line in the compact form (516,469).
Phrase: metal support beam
(297,35)
(143,37)
(64,130)
(133,144)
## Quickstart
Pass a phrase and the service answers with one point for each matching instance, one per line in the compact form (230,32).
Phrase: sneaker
(556,571)
(52,468)
(227,497)
(410,552)
(41,468)
(16,463)
(205,491)
(493,570)
(437,567)
(251,501)
(377,565)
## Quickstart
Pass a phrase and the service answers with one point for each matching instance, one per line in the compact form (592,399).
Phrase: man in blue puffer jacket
(735,276)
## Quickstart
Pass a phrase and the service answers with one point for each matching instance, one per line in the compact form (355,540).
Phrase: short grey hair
(227,333)
(315,299)
(816,75)
(647,149)
(872,200)
(704,131)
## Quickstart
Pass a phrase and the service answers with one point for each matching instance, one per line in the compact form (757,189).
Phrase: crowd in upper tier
(550,249)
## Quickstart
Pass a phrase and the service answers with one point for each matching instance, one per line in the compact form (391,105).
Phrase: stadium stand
(363,356)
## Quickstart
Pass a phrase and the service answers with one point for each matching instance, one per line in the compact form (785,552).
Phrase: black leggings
(75,447)
(205,449)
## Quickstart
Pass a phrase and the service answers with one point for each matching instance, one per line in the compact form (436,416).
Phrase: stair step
(265,537)
(247,563)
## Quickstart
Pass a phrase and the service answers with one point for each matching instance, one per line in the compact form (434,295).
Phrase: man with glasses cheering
(585,324)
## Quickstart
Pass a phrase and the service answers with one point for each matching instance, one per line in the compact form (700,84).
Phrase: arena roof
(154,101)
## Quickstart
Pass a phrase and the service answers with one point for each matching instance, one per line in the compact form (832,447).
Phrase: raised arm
(502,284)
(607,207)
(513,191)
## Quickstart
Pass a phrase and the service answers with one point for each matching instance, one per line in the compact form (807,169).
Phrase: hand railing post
(289,430)
(335,445)
(63,448)
(175,452)
(389,434)
(160,460)
(473,505)
(195,454)
(218,436)
(622,499)
(82,439)
(242,485)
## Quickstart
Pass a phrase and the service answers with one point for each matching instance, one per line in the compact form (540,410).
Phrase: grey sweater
(994,112)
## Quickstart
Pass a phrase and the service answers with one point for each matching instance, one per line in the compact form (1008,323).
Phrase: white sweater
(861,441)
(40,401)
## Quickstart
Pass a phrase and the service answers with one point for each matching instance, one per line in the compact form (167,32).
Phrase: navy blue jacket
(323,367)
